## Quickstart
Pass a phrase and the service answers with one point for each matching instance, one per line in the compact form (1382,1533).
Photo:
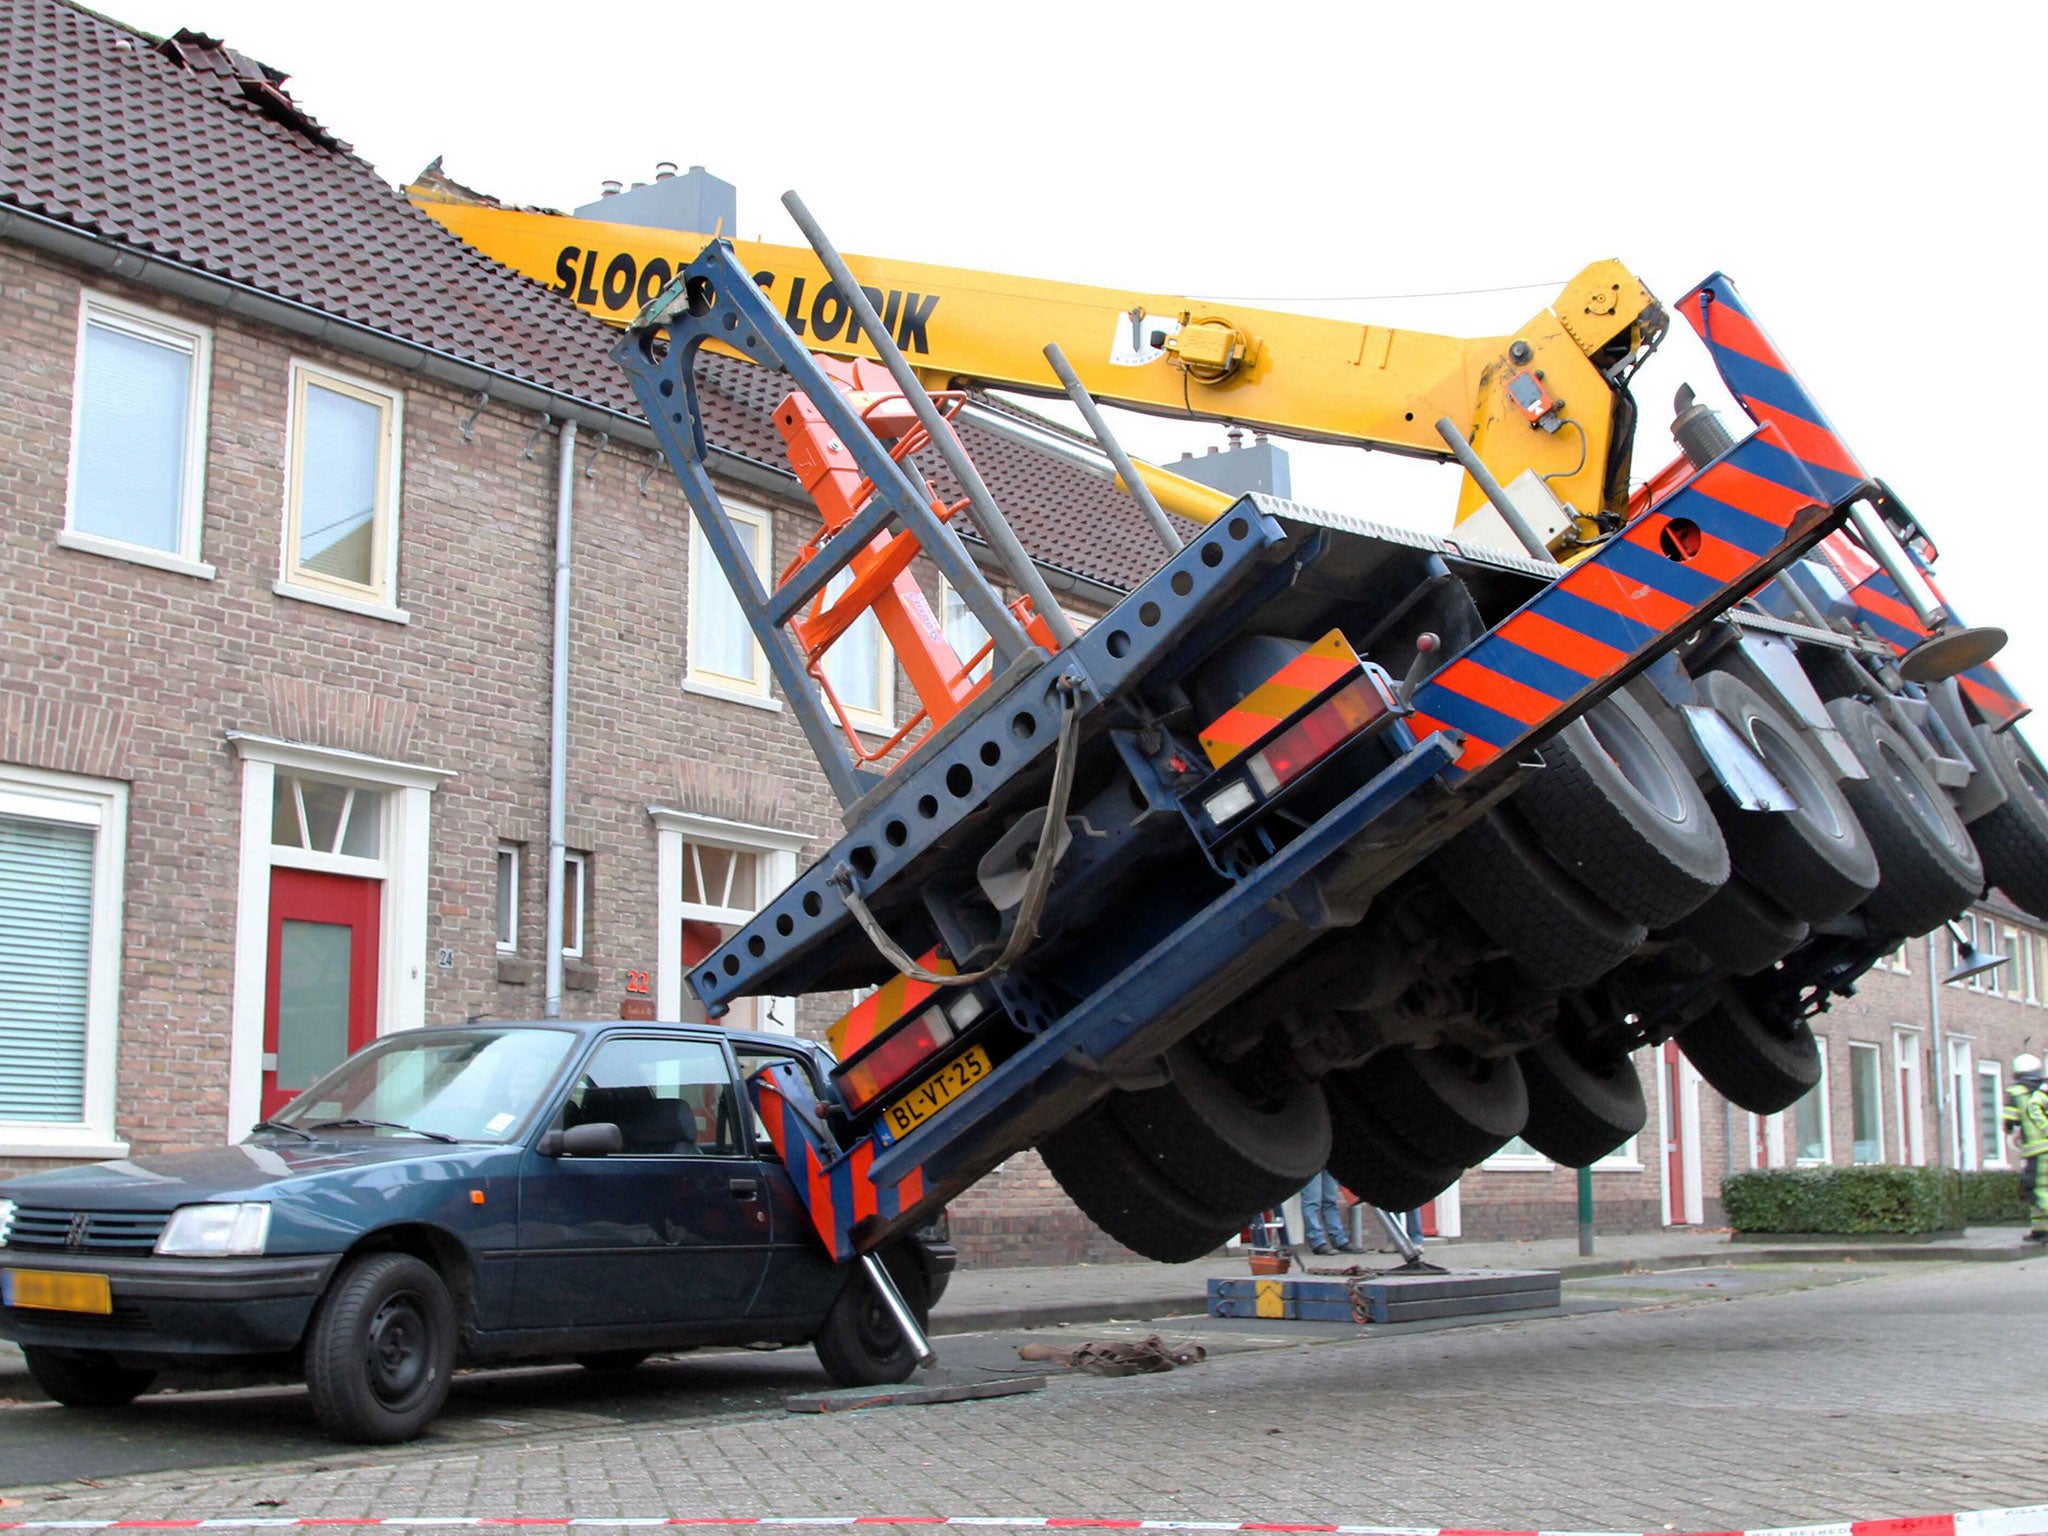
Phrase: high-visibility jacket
(2026,1111)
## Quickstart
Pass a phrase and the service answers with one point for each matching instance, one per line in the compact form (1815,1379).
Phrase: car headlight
(215,1230)
(6,1220)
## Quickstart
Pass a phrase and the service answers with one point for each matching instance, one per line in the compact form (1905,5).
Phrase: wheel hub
(397,1349)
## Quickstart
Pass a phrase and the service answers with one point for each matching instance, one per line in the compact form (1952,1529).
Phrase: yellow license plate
(935,1092)
(53,1291)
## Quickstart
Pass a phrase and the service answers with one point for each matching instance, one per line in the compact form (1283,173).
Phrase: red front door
(322,1001)
(1674,1132)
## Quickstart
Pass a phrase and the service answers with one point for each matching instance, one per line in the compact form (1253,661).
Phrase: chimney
(663,169)
(610,189)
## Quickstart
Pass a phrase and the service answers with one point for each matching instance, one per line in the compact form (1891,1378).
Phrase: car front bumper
(187,1307)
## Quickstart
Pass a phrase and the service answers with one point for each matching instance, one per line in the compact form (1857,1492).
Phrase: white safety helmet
(2026,1065)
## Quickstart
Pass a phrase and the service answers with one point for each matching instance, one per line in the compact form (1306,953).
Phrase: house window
(861,668)
(575,895)
(508,898)
(2014,969)
(62,852)
(1866,1097)
(1517,1153)
(964,632)
(1810,1120)
(1990,1115)
(341,498)
(714,876)
(138,435)
(724,656)
(1896,961)
(320,817)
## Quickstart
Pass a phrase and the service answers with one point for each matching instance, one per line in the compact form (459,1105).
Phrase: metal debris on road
(1110,1357)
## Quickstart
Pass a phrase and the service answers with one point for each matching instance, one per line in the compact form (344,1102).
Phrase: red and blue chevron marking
(1693,553)
(835,1187)
(1892,619)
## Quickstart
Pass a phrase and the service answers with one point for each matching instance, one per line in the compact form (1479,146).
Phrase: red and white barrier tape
(2030,1521)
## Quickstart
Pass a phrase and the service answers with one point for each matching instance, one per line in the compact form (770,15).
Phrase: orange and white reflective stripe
(1254,717)
(867,1020)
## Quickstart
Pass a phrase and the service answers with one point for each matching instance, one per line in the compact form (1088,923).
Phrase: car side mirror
(599,1138)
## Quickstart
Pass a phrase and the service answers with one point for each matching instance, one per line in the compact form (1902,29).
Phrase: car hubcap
(398,1349)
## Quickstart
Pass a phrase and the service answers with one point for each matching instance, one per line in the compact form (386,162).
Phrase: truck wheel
(85,1378)
(859,1344)
(1815,860)
(1543,918)
(1372,1160)
(1928,869)
(1450,1106)
(2014,838)
(380,1350)
(1583,1103)
(1742,930)
(1230,1148)
(1617,809)
(1121,1190)
(1756,1064)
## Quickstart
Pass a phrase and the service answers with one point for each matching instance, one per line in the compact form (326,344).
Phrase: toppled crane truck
(1334,844)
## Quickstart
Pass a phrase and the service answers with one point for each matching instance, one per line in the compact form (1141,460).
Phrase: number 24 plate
(934,1093)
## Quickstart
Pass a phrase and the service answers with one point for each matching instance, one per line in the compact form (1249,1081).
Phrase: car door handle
(744,1189)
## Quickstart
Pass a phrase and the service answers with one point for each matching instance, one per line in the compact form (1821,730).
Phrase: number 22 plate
(934,1093)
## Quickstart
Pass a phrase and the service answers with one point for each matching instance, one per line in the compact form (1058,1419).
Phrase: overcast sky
(1870,177)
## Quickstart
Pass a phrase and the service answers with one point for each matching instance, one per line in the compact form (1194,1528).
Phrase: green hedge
(1993,1198)
(1873,1198)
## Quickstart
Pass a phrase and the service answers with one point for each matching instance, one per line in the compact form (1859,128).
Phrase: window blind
(46,877)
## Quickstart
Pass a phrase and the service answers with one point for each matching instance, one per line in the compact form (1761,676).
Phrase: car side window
(669,1098)
(752,1059)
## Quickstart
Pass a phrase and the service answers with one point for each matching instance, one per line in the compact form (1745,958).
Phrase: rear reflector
(901,1052)
(1317,734)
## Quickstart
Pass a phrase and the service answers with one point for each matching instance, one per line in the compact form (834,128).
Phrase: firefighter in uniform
(2026,1117)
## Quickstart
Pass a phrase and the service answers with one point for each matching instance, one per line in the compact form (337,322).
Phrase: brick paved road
(1887,1396)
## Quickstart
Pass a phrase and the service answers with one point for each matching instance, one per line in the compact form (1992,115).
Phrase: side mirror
(599,1138)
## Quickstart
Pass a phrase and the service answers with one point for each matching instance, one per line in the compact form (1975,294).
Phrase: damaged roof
(197,154)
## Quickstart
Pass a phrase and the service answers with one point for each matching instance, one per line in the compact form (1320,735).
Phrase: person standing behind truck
(2026,1116)
(1322,1216)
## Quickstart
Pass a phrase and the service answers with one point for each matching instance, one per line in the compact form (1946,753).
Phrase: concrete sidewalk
(979,1300)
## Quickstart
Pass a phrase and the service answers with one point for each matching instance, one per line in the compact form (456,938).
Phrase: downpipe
(558,720)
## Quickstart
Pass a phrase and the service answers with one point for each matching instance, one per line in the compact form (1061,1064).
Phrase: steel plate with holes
(53,1291)
(935,1093)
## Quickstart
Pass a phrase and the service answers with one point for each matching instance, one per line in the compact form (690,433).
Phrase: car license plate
(55,1291)
(935,1093)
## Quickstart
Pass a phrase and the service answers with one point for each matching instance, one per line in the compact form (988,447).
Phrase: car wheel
(613,1359)
(1742,930)
(85,1378)
(1928,869)
(381,1349)
(2013,839)
(1371,1159)
(860,1344)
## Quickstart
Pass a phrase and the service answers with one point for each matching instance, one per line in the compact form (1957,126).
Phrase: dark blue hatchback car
(450,1196)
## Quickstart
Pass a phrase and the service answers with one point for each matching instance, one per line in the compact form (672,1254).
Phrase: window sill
(59,1143)
(367,609)
(706,690)
(1517,1165)
(134,554)
(1617,1167)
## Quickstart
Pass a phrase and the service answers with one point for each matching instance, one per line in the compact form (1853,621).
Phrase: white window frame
(1531,1161)
(508,946)
(1827,1116)
(870,722)
(1960,1085)
(1877,1054)
(1996,1072)
(36,795)
(401,864)
(776,854)
(698,679)
(1912,1111)
(104,309)
(2015,979)
(379,599)
(576,877)
(948,597)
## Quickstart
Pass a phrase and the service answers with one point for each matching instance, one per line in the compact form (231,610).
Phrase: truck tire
(381,1349)
(1230,1149)
(1742,930)
(1616,808)
(1119,1189)
(1928,869)
(1754,1063)
(85,1378)
(859,1344)
(1372,1160)
(1816,860)
(1544,919)
(2013,839)
(1452,1107)
(1582,1103)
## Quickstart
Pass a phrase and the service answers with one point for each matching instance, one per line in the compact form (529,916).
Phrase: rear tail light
(898,1054)
(1297,747)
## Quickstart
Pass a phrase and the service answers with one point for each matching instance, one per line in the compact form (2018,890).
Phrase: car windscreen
(462,1084)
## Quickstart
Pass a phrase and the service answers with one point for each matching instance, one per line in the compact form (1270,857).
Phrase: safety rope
(1037,885)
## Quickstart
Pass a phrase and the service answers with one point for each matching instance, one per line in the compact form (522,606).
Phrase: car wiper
(279,1125)
(377,1125)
